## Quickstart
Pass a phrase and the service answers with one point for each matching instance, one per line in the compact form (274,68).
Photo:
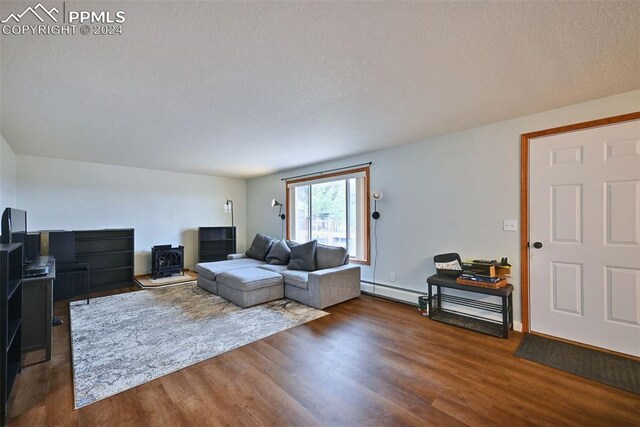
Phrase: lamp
(376,196)
(275,203)
(228,208)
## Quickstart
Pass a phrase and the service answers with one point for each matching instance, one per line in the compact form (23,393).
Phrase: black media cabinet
(465,320)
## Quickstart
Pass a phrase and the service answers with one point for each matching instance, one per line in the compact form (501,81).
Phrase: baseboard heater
(382,285)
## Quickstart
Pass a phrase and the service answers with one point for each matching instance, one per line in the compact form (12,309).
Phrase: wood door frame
(525,141)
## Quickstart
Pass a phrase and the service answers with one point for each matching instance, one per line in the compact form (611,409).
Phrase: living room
(197,104)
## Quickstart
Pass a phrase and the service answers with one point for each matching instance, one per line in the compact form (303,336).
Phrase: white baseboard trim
(409,297)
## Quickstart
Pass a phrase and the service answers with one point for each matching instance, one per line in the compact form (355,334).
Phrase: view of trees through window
(330,212)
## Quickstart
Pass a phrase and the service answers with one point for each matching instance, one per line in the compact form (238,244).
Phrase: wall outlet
(510,225)
(392,277)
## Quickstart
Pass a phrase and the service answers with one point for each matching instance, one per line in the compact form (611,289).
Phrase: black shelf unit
(110,254)
(465,320)
(215,243)
(12,286)
(10,320)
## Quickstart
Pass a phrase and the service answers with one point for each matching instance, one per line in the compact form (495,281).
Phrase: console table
(37,313)
(465,320)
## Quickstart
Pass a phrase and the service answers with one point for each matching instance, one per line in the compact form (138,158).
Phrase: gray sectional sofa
(247,281)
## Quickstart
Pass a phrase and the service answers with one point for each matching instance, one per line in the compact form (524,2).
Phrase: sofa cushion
(299,279)
(273,267)
(330,256)
(260,247)
(211,269)
(291,243)
(248,279)
(279,253)
(303,257)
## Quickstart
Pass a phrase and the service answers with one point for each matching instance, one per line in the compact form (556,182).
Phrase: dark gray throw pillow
(260,247)
(279,253)
(303,257)
(330,256)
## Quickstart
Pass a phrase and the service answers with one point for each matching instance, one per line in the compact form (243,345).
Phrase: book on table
(488,274)
(493,285)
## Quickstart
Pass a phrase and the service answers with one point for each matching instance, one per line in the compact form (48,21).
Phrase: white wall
(7,175)
(447,193)
(162,207)
(7,166)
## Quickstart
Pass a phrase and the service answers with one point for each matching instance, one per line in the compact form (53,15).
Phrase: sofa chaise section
(208,271)
(250,286)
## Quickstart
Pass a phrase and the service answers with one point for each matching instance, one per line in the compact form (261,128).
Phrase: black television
(14,229)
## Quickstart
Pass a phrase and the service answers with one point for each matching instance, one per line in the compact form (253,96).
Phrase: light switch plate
(510,225)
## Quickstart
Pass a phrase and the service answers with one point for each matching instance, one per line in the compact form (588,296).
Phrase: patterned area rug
(121,341)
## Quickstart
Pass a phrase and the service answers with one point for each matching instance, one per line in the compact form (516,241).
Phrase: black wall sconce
(275,203)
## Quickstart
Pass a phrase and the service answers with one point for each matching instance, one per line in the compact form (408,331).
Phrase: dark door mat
(604,368)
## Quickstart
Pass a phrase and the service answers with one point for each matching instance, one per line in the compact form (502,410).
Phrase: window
(333,209)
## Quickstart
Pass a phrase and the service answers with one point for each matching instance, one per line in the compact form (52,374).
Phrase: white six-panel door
(584,189)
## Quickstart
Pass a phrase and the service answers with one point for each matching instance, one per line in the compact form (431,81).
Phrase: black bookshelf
(215,243)
(110,254)
(10,320)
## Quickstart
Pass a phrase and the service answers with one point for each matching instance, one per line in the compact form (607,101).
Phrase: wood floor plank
(370,362)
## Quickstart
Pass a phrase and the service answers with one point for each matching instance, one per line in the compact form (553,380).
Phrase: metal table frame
(466,320)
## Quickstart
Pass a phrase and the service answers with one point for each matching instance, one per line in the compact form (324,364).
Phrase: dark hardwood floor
(371,362)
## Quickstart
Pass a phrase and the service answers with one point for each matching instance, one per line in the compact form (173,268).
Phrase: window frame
(366,210)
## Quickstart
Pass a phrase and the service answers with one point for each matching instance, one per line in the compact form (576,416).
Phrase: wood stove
(166,260)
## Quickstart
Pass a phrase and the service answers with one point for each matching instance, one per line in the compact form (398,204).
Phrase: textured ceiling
(244,89)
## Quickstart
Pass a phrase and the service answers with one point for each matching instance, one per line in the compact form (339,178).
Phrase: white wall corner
(8,175)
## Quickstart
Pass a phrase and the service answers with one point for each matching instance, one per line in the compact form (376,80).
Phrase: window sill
(359,261)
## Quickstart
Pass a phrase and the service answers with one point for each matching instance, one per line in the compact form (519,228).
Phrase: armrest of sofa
(236,256)
(328,272)
(334,285)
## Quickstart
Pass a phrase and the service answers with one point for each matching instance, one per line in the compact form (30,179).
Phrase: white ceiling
(244,89)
